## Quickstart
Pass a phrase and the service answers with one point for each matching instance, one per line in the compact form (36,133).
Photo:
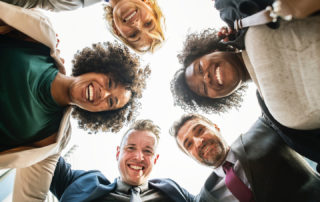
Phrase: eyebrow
(117,100)
(185,142)
(205,88)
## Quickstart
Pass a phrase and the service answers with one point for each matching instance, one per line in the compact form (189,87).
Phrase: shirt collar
(230,158)
(125,188)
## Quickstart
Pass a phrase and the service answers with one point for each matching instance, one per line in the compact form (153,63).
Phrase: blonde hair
(157,36)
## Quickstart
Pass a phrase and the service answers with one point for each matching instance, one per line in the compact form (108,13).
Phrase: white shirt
(220,190)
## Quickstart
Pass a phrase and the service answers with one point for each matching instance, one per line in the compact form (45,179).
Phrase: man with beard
(136,156)
(258,166)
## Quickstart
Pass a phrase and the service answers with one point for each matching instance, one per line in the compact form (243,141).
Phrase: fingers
(58,40)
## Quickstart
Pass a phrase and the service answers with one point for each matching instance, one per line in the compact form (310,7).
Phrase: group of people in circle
(107,81)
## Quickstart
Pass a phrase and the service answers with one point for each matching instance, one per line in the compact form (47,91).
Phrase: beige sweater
(284,63)
(35,166)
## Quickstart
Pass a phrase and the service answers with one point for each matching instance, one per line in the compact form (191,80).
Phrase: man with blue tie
(258,166)
(136,156)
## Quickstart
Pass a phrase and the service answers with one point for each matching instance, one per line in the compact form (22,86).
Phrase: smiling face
(98,92)
(136,156)
(216,75)
(203,142)
(135,21)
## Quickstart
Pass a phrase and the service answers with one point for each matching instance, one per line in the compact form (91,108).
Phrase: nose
(206,77)
(104,93)
(198,141)
(138,155)
(136,23)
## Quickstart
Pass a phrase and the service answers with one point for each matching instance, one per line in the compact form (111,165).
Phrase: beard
(216,152)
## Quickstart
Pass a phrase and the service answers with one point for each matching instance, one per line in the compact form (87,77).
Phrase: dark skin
(217,74)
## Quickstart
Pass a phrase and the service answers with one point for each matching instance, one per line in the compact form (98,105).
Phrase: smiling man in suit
(258,166)
(136,156)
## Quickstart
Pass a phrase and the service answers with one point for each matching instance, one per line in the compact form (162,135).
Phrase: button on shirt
(122,193)
(220,191)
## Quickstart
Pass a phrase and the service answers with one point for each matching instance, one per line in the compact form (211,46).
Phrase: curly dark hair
(195,46)
(116,59)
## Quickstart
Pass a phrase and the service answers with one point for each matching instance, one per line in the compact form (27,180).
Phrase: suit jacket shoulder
(274,171)
(171,189)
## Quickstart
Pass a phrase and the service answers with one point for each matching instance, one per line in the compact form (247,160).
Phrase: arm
(66,5)
(33,24)
(32,183)
(63,177)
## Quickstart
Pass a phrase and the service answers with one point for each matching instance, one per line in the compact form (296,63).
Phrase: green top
(28,111)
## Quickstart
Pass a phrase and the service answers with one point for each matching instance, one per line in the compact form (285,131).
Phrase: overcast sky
(83,27)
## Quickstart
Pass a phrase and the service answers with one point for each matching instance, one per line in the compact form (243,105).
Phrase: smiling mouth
(130,16)
(89,92)
(135,167)
(218,76)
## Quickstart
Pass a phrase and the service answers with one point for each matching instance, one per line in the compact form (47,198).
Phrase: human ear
(216,127)
(156,159)
(118,153)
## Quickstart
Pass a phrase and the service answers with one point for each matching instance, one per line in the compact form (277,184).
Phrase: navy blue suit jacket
(79,185)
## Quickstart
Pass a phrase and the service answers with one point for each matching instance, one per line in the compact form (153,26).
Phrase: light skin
(203,142)
(217,74)
(136,156)
(134,20)
(93,92)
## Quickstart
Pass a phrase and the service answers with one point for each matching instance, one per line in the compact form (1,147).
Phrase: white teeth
(130,16)
(218,74)
(87,93)
(90,92)
(136,167)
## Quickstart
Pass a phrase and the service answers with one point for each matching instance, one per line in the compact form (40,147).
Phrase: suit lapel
(238,149)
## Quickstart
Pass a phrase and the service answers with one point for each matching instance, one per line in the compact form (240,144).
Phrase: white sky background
(83,27)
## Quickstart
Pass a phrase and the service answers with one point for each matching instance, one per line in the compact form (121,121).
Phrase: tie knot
(227,166)
(135,190)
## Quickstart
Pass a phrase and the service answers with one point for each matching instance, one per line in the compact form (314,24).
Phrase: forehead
(187,128)
(192,79)
(140,137)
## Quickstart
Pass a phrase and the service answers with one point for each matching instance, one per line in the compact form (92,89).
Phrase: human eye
(110,101)
(188,145)
(110,83)
(134,34)
(148,151)
(130,148)
(200,68)
(199,131)
(148,24)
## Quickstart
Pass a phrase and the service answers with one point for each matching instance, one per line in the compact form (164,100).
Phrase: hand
(225,32)
(61,68)
(58,41)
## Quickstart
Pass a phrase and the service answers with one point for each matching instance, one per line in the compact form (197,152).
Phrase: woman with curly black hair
(213,78)
(104,87)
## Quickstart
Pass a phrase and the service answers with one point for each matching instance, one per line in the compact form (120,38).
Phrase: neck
(246,76)
(60,89)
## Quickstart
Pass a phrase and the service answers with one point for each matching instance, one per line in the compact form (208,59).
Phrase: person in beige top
(32,143)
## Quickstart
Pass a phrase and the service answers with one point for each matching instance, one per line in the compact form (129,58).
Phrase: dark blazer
(78,185)
(274,171)
(305,142)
